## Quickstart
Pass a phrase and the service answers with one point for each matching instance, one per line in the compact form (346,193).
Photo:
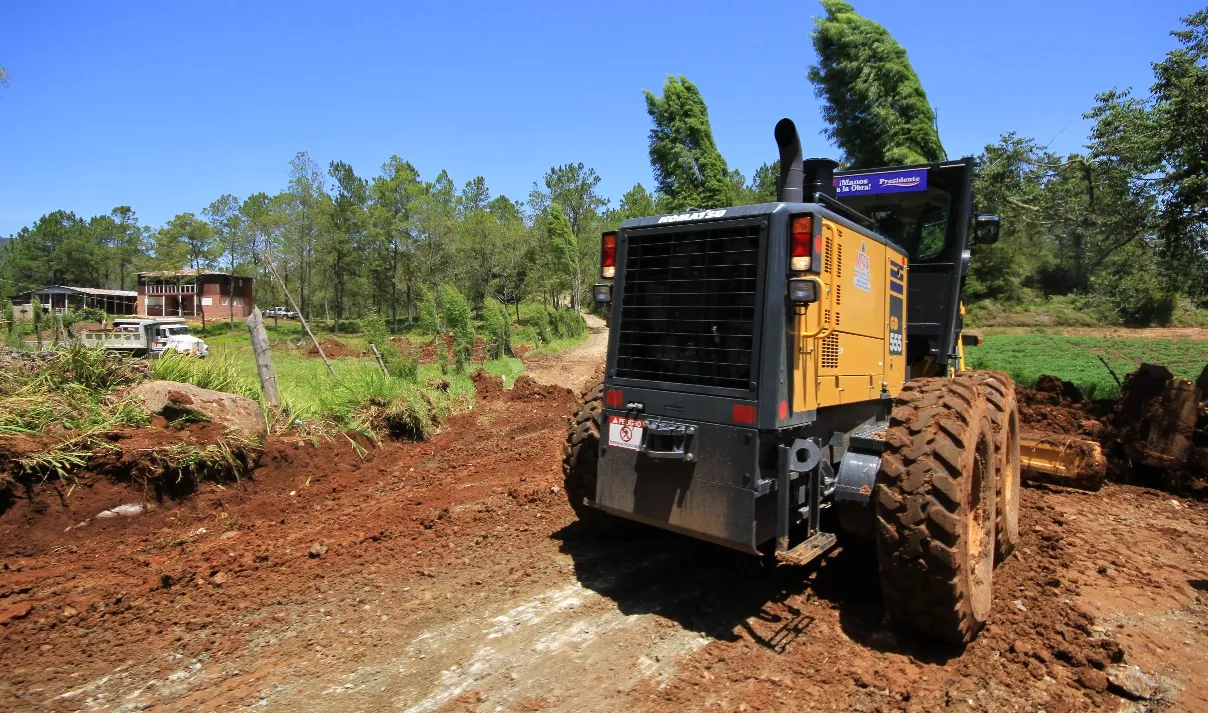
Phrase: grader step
(1062,460)
(808,551)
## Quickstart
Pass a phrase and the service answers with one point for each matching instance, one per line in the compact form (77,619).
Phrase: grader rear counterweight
(782,374)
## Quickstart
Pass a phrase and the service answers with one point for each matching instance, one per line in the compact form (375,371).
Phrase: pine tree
(689,171)
(873,101)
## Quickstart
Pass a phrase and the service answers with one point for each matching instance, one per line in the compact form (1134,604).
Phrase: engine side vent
(838,295)
(827,259)
(839,262)
(830,352)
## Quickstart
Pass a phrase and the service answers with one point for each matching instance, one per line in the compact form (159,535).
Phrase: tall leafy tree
(263,219)
(127,246)
(306,203)
(229,226)
(346,236)
(873,102)
(434,221)
(689,171)
(185,241)
(516,261)
(573,186)
(564,249)
(1160,144)
(394,194)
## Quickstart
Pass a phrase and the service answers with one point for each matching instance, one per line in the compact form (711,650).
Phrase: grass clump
(60,405)
(219,372)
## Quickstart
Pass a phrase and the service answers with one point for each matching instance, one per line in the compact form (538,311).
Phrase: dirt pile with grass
(333,349)
(69,415)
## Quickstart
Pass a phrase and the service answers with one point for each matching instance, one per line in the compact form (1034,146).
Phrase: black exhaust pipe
(791,182)
(800,180)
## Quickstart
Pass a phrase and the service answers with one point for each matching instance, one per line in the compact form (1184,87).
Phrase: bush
(93,314)
(429,320)
(545,331)
(9,317)
(567,323)
(457,317)
(499,329)
(1141,300)
(1130,283)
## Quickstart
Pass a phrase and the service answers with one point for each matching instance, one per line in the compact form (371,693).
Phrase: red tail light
(614,397)
(801,243)
(743,413)
(608,255)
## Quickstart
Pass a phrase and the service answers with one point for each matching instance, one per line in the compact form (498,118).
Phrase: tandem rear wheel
(935,506)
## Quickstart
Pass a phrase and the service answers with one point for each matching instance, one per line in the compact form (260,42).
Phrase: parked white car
(281,312)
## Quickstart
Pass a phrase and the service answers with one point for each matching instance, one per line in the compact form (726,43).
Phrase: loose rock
(172,400)
(1130,681)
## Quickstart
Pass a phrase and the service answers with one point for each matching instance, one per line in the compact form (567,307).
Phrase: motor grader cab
(783,373)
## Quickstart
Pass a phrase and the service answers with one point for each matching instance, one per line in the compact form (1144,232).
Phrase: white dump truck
(152,337)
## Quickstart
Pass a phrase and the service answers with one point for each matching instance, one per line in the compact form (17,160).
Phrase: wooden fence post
(264,359)
(378,355)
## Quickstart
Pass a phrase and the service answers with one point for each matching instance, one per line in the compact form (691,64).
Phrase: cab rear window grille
(689,306)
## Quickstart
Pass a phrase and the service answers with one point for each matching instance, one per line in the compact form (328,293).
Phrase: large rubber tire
(999,390)
(935,502)
(580,458)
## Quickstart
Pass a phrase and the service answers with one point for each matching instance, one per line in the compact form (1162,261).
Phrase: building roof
(188,272)
(68,290)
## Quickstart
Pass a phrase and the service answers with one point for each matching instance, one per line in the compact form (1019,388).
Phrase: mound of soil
(1058,407)
(488,386)
(427,352)
(334,349)
(527,390)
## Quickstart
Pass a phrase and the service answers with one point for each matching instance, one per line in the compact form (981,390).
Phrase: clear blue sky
(164,106)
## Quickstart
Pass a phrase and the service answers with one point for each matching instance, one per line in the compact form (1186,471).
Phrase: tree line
(1121,224)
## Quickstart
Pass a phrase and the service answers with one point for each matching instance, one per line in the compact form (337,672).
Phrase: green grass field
(1076,359)
(358,397)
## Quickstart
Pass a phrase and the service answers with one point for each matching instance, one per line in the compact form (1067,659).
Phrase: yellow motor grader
(779,374)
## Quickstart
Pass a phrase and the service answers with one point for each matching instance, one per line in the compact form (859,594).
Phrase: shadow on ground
(726,595)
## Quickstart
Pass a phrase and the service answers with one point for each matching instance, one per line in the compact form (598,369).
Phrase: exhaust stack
(800,180)
(791,182)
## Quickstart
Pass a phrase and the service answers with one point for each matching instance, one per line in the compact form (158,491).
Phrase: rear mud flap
(714,498)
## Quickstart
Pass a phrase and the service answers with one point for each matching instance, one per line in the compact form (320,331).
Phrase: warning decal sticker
(863,276)
(625,432)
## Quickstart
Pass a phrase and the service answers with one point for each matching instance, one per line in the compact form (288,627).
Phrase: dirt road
(576,365)
(449,576)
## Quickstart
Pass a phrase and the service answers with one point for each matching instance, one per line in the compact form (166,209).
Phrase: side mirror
(985,229)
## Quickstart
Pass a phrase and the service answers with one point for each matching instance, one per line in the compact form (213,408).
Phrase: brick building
(194,293)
